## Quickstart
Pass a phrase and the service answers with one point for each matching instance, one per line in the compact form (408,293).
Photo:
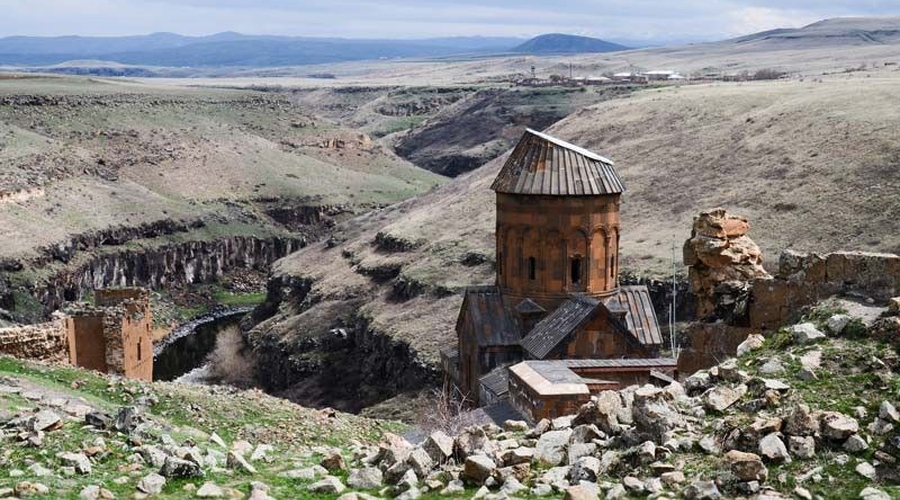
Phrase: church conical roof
(544,165)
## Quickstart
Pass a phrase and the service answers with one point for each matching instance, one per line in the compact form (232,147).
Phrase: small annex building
(557,296)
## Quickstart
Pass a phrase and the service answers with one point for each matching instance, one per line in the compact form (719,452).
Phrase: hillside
(829,33)
(558,43)
(449,130)
(809,163)
(843,44)
(82,432)
(90,167)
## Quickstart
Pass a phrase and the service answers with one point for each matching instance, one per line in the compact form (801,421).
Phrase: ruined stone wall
(722,260)
(44,341)
(804,279)
(708,344)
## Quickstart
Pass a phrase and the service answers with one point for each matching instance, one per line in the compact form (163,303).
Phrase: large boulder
(837,426)
(719,398)
(747,466)
(473,440)
(478,468)
(654,414)
(601,411)
(805,333)
(723,260)
(439,446)
(551,447)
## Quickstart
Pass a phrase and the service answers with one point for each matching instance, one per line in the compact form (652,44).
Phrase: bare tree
(447,410)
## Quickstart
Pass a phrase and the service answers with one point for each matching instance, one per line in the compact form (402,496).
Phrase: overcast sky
(648,20)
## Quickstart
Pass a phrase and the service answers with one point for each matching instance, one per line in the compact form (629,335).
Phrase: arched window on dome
(575,271)
(532,268)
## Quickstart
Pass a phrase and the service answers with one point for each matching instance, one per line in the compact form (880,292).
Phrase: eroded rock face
(723,261)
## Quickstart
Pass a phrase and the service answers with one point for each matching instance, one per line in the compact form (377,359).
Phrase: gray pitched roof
(544,165)
(641,319)
(493,323)
(556,326)
(496,380)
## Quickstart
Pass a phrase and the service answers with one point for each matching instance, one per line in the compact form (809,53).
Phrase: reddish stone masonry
(113,336)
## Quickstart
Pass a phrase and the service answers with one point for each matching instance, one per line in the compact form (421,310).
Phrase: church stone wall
(554,231)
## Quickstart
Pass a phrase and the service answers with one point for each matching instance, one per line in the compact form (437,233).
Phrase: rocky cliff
(177,263)
(329,355)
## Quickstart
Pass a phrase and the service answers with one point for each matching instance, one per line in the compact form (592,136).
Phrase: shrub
(232,362)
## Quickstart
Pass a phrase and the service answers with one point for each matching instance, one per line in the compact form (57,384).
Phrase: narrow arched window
(611,264)
(139,353)
(532,268)
(576,270)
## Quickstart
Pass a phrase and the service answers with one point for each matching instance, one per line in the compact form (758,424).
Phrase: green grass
(183,412)
(239,299)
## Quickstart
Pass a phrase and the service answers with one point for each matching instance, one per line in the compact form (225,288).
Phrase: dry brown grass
(812,164)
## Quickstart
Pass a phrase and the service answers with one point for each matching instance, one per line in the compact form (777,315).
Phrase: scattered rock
(888,412)
(721,397)
(750,344)
(327,485)
(772,449)
(583,491)
(702,490)
(478,468)
(151,484)
(805,333)
(747,466)
(551,447)
(179,468)
(368,478)
(837,323)
(439,446)
(45,420)
(79,461)
(855,444)
(866,470)
(210,490)
(837,426)
(870,493)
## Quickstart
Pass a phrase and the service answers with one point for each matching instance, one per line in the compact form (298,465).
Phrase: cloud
(754,19)
(615,19)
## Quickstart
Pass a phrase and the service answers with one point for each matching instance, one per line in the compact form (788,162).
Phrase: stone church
(557,294)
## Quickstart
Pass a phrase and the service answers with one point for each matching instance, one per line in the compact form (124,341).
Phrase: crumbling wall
(804,279)
(708,344)
(723,261)
(44,341)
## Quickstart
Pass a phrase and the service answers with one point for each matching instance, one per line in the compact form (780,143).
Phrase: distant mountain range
(237,50)
(558,43)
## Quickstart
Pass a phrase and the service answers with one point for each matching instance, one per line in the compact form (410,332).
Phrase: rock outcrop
(723,261)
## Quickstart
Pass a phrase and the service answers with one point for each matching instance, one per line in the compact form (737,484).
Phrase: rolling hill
(558,43)
(811,164)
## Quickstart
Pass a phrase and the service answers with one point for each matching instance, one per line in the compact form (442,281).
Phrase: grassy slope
(184,412)
(175,152)
(811,164)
